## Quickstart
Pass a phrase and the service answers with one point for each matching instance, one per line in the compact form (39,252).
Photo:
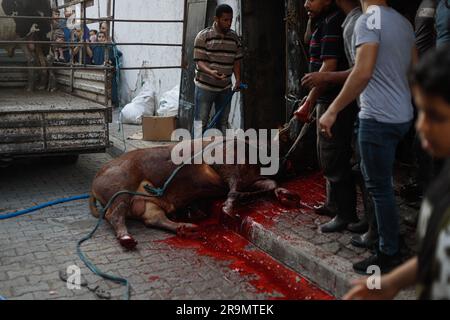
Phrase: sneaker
(383,261)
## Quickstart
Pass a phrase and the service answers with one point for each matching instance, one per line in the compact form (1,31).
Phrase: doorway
(264,64)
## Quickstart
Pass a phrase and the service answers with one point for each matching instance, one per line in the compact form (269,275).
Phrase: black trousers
(334,156)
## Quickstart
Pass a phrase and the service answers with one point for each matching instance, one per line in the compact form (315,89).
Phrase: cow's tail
(93,206)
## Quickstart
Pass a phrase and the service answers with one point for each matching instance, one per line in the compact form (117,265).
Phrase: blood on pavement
(218,238)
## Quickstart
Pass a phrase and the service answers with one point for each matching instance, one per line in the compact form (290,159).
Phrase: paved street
(35,248)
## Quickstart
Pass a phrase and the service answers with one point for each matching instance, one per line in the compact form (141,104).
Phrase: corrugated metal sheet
(41,129)
(13,78)
(88,84)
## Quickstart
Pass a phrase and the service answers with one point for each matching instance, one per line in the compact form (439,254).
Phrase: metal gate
(198,14)
(74,71)
(57,123)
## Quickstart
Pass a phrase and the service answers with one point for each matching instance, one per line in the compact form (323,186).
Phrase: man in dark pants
(380,79)
(429,270)
(327,55)
(353,11)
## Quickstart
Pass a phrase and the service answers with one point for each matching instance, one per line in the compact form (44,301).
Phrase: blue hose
(41,206)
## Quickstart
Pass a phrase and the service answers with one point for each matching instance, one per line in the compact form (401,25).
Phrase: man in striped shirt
(327,55)
(217,53)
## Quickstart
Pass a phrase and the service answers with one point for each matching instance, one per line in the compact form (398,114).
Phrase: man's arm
(202,66)
(76,50)
(328,65)
(400,278)
(89,51)
(304,111)
(366,58)
(319,79)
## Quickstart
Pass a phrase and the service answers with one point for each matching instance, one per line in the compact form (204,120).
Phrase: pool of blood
(220,237)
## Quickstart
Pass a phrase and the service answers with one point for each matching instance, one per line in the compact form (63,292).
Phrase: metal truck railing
(81,65)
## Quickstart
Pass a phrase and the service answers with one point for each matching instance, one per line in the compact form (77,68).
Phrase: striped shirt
(327,43)
(219,52)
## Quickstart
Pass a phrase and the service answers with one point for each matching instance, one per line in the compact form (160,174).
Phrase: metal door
(198,15)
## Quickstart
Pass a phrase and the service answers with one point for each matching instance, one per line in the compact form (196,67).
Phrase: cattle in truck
(20,29)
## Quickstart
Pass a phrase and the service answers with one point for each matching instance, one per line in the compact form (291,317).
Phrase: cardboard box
(158,128)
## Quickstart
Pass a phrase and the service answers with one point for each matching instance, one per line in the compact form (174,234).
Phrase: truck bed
(19,100)
(42,123)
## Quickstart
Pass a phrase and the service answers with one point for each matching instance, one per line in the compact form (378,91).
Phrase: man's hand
(326,122)
(217,75)
(360,291)
(314,79)
(237,86)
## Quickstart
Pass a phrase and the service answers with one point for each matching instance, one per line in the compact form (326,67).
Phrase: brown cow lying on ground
(153,166)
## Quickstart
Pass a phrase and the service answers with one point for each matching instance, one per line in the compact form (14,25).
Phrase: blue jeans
(204,100)
(378,143)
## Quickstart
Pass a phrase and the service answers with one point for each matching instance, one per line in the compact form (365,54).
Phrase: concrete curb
(329,272)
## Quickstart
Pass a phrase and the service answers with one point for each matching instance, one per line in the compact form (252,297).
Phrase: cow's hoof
(228,207)
(128,242)
(189,231)
(287,198)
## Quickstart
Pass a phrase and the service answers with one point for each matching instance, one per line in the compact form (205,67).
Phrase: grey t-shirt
(349,31)
(387,97)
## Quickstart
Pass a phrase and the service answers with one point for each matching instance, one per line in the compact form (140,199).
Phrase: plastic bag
(169,103)
(142,104)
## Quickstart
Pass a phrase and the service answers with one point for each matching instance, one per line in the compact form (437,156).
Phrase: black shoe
(384,262)
(335,225)
(368,240)
(359,227)
(325,211)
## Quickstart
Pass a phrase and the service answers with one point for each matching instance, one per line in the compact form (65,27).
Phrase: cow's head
(34,28)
